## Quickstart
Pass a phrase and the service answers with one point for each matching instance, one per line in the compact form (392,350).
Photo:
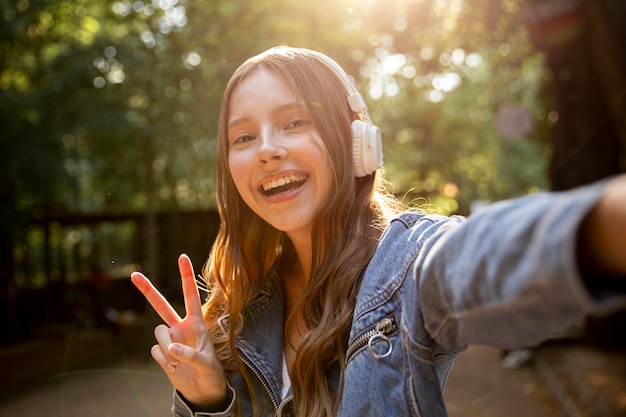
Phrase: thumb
(181,352)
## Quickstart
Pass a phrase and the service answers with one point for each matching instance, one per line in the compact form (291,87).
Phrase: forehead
(261,94)
(264,84)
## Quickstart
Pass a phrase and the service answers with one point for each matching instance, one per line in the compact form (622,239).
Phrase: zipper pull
(383,328)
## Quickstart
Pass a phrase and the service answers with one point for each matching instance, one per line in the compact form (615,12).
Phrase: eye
(298,123)
(243,139)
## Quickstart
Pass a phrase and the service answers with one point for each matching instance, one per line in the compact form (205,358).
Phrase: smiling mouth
(284,184)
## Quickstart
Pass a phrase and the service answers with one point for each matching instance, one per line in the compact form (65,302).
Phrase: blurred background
(108,121)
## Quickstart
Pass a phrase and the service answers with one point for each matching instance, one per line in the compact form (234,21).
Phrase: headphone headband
(355,99)
(366,137)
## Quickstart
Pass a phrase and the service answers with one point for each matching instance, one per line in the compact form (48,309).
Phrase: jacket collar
(260,343)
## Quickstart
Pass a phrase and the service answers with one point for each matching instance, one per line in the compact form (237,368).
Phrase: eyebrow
(278,109)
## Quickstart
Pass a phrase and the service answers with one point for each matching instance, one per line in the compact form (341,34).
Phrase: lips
(283,184)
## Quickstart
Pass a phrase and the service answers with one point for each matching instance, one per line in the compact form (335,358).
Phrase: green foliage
(441,72)
(107,105)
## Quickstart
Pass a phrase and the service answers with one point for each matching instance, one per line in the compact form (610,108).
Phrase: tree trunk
(588,86)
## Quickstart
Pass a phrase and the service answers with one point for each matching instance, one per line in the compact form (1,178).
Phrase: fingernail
(174,349)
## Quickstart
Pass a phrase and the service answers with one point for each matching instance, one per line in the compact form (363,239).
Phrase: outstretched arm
(184,349)
(602,235)
(511,275)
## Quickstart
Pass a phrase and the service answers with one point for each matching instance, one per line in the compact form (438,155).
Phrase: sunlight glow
(99,82)
(435,96)
(447,81)
(173,19)
(450,8)
(116,75)
(392,64)
(474,60)
(409,72)
(458,57)
(427,53)
(192,59)
(392,89)
(122,8)
(148,39)
(375,92)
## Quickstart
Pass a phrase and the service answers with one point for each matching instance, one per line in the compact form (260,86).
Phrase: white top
(286,381)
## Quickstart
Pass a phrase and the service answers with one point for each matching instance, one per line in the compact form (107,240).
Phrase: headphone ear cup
(366,148)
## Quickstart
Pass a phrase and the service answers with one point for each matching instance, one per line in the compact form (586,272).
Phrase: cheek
(237,171)
(328,180)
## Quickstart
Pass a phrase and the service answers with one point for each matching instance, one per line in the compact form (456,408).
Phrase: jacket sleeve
(180,408)
(508,276)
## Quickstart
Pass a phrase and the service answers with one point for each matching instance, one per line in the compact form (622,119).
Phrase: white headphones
(367,146)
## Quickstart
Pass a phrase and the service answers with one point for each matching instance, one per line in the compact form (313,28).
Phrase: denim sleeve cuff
(181,408)
(597,295)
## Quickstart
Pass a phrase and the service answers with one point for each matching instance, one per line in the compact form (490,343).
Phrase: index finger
(155,298)
(191,296)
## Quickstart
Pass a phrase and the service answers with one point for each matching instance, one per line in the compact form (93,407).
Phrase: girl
(325,298)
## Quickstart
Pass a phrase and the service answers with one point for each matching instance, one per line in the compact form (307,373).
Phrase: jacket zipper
(263,381)
(383,328)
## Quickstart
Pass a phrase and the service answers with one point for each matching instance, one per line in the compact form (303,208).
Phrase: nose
(270,149)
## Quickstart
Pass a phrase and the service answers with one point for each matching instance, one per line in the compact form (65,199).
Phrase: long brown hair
(344,239)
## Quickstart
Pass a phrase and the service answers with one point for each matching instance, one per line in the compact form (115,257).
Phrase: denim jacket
(506,277)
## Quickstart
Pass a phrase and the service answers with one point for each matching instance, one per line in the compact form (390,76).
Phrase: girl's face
(276,157)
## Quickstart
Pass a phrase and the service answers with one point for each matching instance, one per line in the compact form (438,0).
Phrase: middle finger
(190,288)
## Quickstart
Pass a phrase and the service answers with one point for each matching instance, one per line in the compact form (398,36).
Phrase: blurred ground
(124,389)
(564,379)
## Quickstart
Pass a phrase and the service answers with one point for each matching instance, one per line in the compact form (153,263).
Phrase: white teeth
(283,181)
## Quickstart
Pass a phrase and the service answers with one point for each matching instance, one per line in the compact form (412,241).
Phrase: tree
(586,88)
(455,66)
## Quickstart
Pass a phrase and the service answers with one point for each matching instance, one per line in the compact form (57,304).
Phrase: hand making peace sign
(184,349)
